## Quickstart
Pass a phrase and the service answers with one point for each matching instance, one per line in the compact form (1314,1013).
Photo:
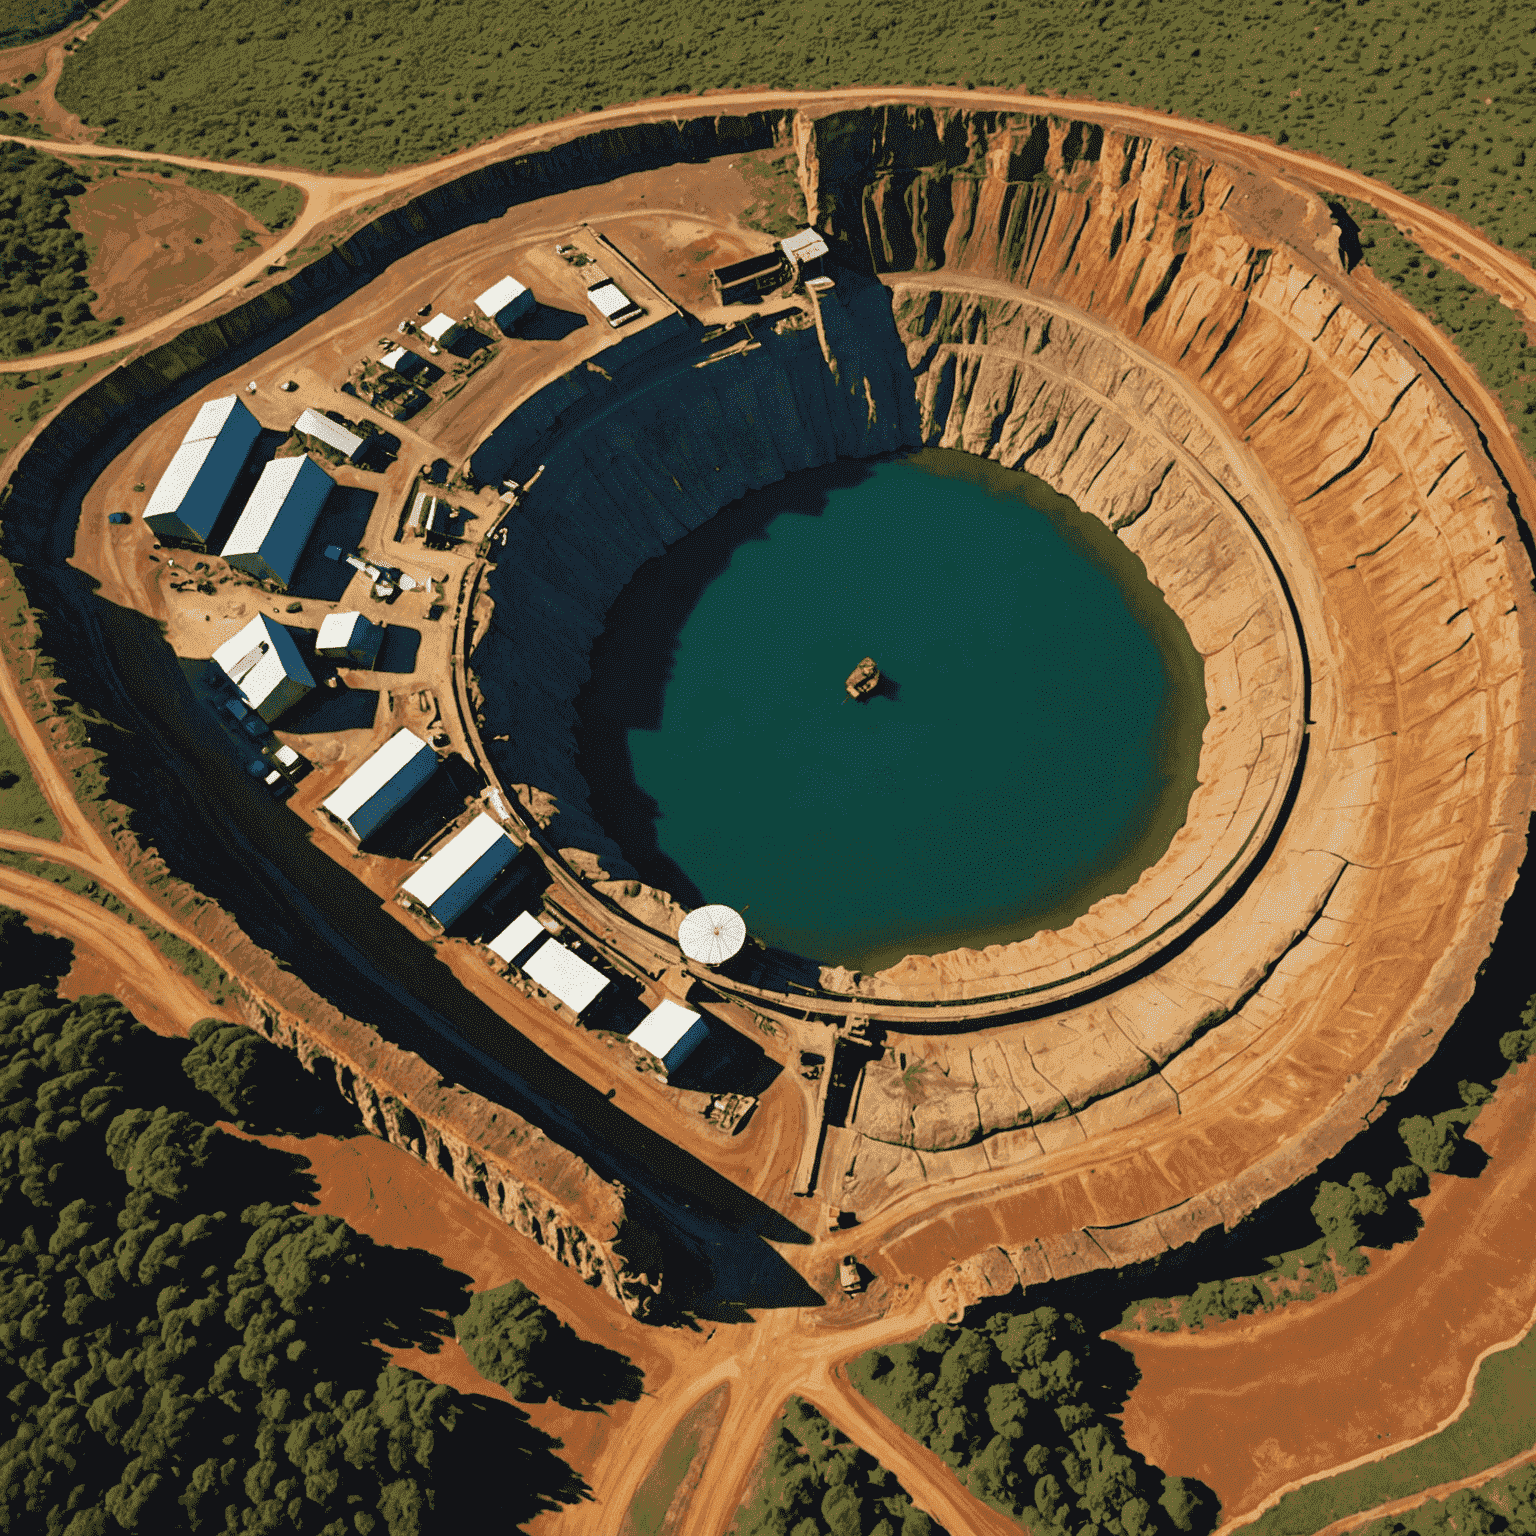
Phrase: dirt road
(1442,235)
(119,958)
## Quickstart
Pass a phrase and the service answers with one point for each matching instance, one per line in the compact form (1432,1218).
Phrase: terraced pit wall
(1355,596)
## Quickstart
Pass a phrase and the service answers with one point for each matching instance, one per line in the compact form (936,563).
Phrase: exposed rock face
(493,1154)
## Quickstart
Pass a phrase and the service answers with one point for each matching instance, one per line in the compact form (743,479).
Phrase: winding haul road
(785,1351)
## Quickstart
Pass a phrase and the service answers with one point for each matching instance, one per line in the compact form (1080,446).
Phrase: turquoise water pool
(1034,749)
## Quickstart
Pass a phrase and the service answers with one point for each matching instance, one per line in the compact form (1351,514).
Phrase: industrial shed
(516,938)
(186,502)
(506,303)
(277,521)
(349,639)
(372,793)
(312,423)
(459,873)
(441,329)
(612,303)
(565,975)
(264,664)
(403,361)
(671,1033)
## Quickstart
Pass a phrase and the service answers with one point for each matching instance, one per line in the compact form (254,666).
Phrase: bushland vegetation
(1491,336)
(25,398)
(1502,1504)
(181,1349)
(1357,1206)
(1436,99)
(21,21)
(44,300)
(813,1481)
(512,1339)
(22,806)
(1022,1408)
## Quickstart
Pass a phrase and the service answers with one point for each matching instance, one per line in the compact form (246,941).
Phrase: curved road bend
(1443,235)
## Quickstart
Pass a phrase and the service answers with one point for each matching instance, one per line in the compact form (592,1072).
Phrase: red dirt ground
(1250,1405)
(144,234)
(384,1192)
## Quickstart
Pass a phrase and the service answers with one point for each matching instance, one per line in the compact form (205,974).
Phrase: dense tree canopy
(44,300)
(512,1339)
(183,1350)
(815,1482)
(1020,1407)
(23,20)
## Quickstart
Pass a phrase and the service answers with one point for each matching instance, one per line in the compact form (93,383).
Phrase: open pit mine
(1171,342)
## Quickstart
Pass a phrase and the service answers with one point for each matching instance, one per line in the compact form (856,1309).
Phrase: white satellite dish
(711,935)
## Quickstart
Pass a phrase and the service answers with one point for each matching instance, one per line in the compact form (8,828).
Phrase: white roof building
(191,493)
(350,638)
(612,303)
(263,663)
(331,433)
(402,360)
(804,248)
(671,1033)
(460,872)
(278,519)
(505,302)
(441,329)
(516,937)
(565,975)
(372,793)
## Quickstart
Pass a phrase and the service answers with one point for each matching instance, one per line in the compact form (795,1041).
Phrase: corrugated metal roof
(212,417)
(203,470)
(665,1032)
(313,424)
(372,793)
(265,666)
(343,631)
(565,974)
(277,521)
(608,299)
(516,937)
(497,297)
(439,326)
(461,869)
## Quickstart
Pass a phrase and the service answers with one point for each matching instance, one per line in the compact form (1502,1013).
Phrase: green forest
(23,20)
(814,1481)
(1022,1407)
(44,300)
(184,1350)
(1437,99)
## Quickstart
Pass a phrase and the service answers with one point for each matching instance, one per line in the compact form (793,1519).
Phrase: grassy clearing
(1506,1503)
(187,958)
(691,1440)
(22,805)
(778,206)
(275,204)
(25,398)
(1500,1422)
